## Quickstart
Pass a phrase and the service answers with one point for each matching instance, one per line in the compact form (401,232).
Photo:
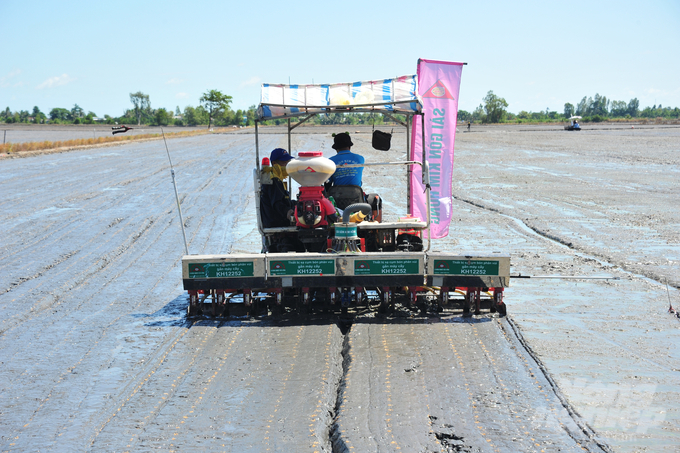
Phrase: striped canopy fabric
(398,95)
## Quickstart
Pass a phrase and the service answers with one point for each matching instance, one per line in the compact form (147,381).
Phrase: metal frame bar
(299,123)
(396,120)
(409,163)
(257,147)
(356,108)
(427,183)
(410,169)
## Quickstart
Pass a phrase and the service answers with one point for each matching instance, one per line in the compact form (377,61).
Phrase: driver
(342,144)
(345,176)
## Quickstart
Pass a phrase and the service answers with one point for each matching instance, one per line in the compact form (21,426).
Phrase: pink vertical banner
(438,87)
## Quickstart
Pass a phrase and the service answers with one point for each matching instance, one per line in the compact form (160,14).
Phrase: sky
(537,55)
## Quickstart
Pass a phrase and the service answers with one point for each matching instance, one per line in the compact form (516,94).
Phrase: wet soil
(20,133)
(96,352)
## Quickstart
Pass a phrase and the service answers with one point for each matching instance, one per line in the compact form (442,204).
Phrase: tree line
(214,109)
(595,109)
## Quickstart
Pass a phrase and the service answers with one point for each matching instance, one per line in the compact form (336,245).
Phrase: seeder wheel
(498,304)
(194,304)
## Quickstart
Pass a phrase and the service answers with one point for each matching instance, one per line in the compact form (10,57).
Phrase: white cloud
(174,81)
(181,95)
(55,81)
(4,81)
(251,81)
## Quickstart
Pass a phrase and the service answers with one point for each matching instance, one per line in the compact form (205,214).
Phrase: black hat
(342,140)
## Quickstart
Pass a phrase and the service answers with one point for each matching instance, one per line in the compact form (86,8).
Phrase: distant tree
(464,116)
(599,106)
(141,104)
(568,110)
(634,107)
(214,102)
(38,116)
(77,111)
(582,107)
(89,118)
(162,117)
(478,113)
(619,109)
(194,116)
(494,107)
(60,114)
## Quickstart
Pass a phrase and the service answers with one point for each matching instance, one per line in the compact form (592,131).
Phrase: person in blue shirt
(351,177)
(346,176)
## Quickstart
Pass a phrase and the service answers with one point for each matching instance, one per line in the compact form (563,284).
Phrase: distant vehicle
(573,124)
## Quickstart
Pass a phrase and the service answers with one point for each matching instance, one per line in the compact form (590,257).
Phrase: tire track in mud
(207,405)
(522,419)
(85,320)
(34,312)
(275,392)
(441,439)
(476,400)
(267,435)
(75,222)
(470,395)
(92,197)
(60,346)
(448,384)
(389,412)
(192,361)
(74,327)
(102,263)
(320,420)
(73,367)
(138,173)
(139,381)
(592,441)
(87,354)
(588,254)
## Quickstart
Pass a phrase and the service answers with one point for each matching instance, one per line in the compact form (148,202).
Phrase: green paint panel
(465,267)
(302,267)
(386,267)
(221,270)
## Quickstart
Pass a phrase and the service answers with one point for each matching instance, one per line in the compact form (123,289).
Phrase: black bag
(381,140)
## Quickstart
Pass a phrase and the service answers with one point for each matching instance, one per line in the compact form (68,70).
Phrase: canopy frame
(297,110)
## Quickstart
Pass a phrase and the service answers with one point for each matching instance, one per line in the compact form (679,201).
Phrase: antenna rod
(174,184)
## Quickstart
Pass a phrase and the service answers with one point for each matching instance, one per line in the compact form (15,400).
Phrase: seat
(346,195)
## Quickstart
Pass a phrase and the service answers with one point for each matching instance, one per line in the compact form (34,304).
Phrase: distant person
(468,126)
(275,203)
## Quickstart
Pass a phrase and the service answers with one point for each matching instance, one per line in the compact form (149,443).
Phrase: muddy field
(20,133)
(96,353)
